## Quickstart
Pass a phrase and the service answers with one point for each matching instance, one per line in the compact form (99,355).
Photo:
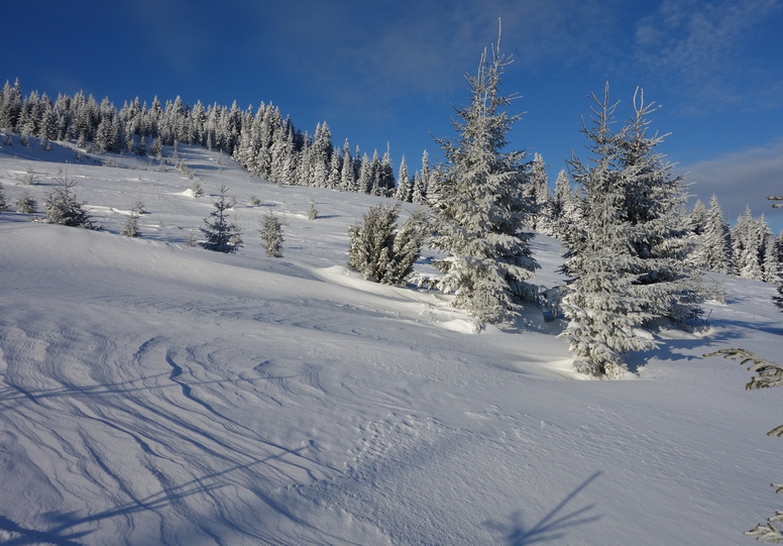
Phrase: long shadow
(551,527)
(62,534)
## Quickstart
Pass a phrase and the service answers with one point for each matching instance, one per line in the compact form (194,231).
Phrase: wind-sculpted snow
(152,393)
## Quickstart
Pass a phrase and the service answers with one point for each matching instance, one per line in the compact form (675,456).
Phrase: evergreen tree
(480,208)
(714,250)
(26,204)
(538,191)
(379,252)
(602,303)
(771,264)
(404,189)
(419,195)
(271,233)
(698,217)
(654,205)
(748,239)
(222,235)
(131,226)
(560,211)
(63,208)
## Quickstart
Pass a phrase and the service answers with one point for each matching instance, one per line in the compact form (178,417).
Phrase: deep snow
(157,393)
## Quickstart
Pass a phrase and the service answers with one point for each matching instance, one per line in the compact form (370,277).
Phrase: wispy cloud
(719,54)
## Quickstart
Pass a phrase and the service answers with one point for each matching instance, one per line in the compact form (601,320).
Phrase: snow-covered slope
(156,393)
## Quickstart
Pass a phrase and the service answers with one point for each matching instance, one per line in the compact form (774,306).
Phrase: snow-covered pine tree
(222,235)
(420,181)
(560,211)
(602,302)
(713,250)
(404,185)
(770,261)
(654,205)
(131,226)
(26,203)
(381,253)
(538,191)
(62,207)
(3,200)
(698,218)
(480,206)
(748,239)
(271,233)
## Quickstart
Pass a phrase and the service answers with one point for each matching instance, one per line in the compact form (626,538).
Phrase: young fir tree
(222,235)
(63,208)
(131,226)
(381,253)
(602,302)
(26,203)
(271,233)
(480,206)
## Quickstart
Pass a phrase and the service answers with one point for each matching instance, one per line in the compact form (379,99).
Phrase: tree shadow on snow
(551,527)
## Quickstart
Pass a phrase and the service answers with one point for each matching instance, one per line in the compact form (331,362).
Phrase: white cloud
(740,179)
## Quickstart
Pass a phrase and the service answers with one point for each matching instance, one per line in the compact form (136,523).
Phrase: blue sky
(390,71)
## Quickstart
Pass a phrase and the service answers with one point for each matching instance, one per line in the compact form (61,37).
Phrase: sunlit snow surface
(156,393)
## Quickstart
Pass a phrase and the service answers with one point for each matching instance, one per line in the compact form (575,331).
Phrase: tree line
(264,142)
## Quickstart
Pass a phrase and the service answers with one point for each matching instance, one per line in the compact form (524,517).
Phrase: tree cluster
(264,142)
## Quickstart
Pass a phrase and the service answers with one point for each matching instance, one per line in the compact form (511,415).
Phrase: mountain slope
(157,393)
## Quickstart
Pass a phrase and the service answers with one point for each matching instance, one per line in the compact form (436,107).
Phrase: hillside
(154,392)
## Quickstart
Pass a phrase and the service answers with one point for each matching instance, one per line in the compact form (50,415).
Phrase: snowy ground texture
(156,393)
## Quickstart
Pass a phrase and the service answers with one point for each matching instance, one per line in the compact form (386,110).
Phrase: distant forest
(264,142)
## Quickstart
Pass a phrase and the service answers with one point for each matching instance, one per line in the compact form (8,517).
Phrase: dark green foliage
(381,253)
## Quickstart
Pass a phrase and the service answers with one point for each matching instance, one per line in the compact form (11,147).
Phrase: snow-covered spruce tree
(713,250)
(62,207)
(768,375)
(480,207)
(271,233)
(131,226)
(655,207)
(538,192)
(379,252)
(26,203)
(3,200)
(602,302)
(222,235)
